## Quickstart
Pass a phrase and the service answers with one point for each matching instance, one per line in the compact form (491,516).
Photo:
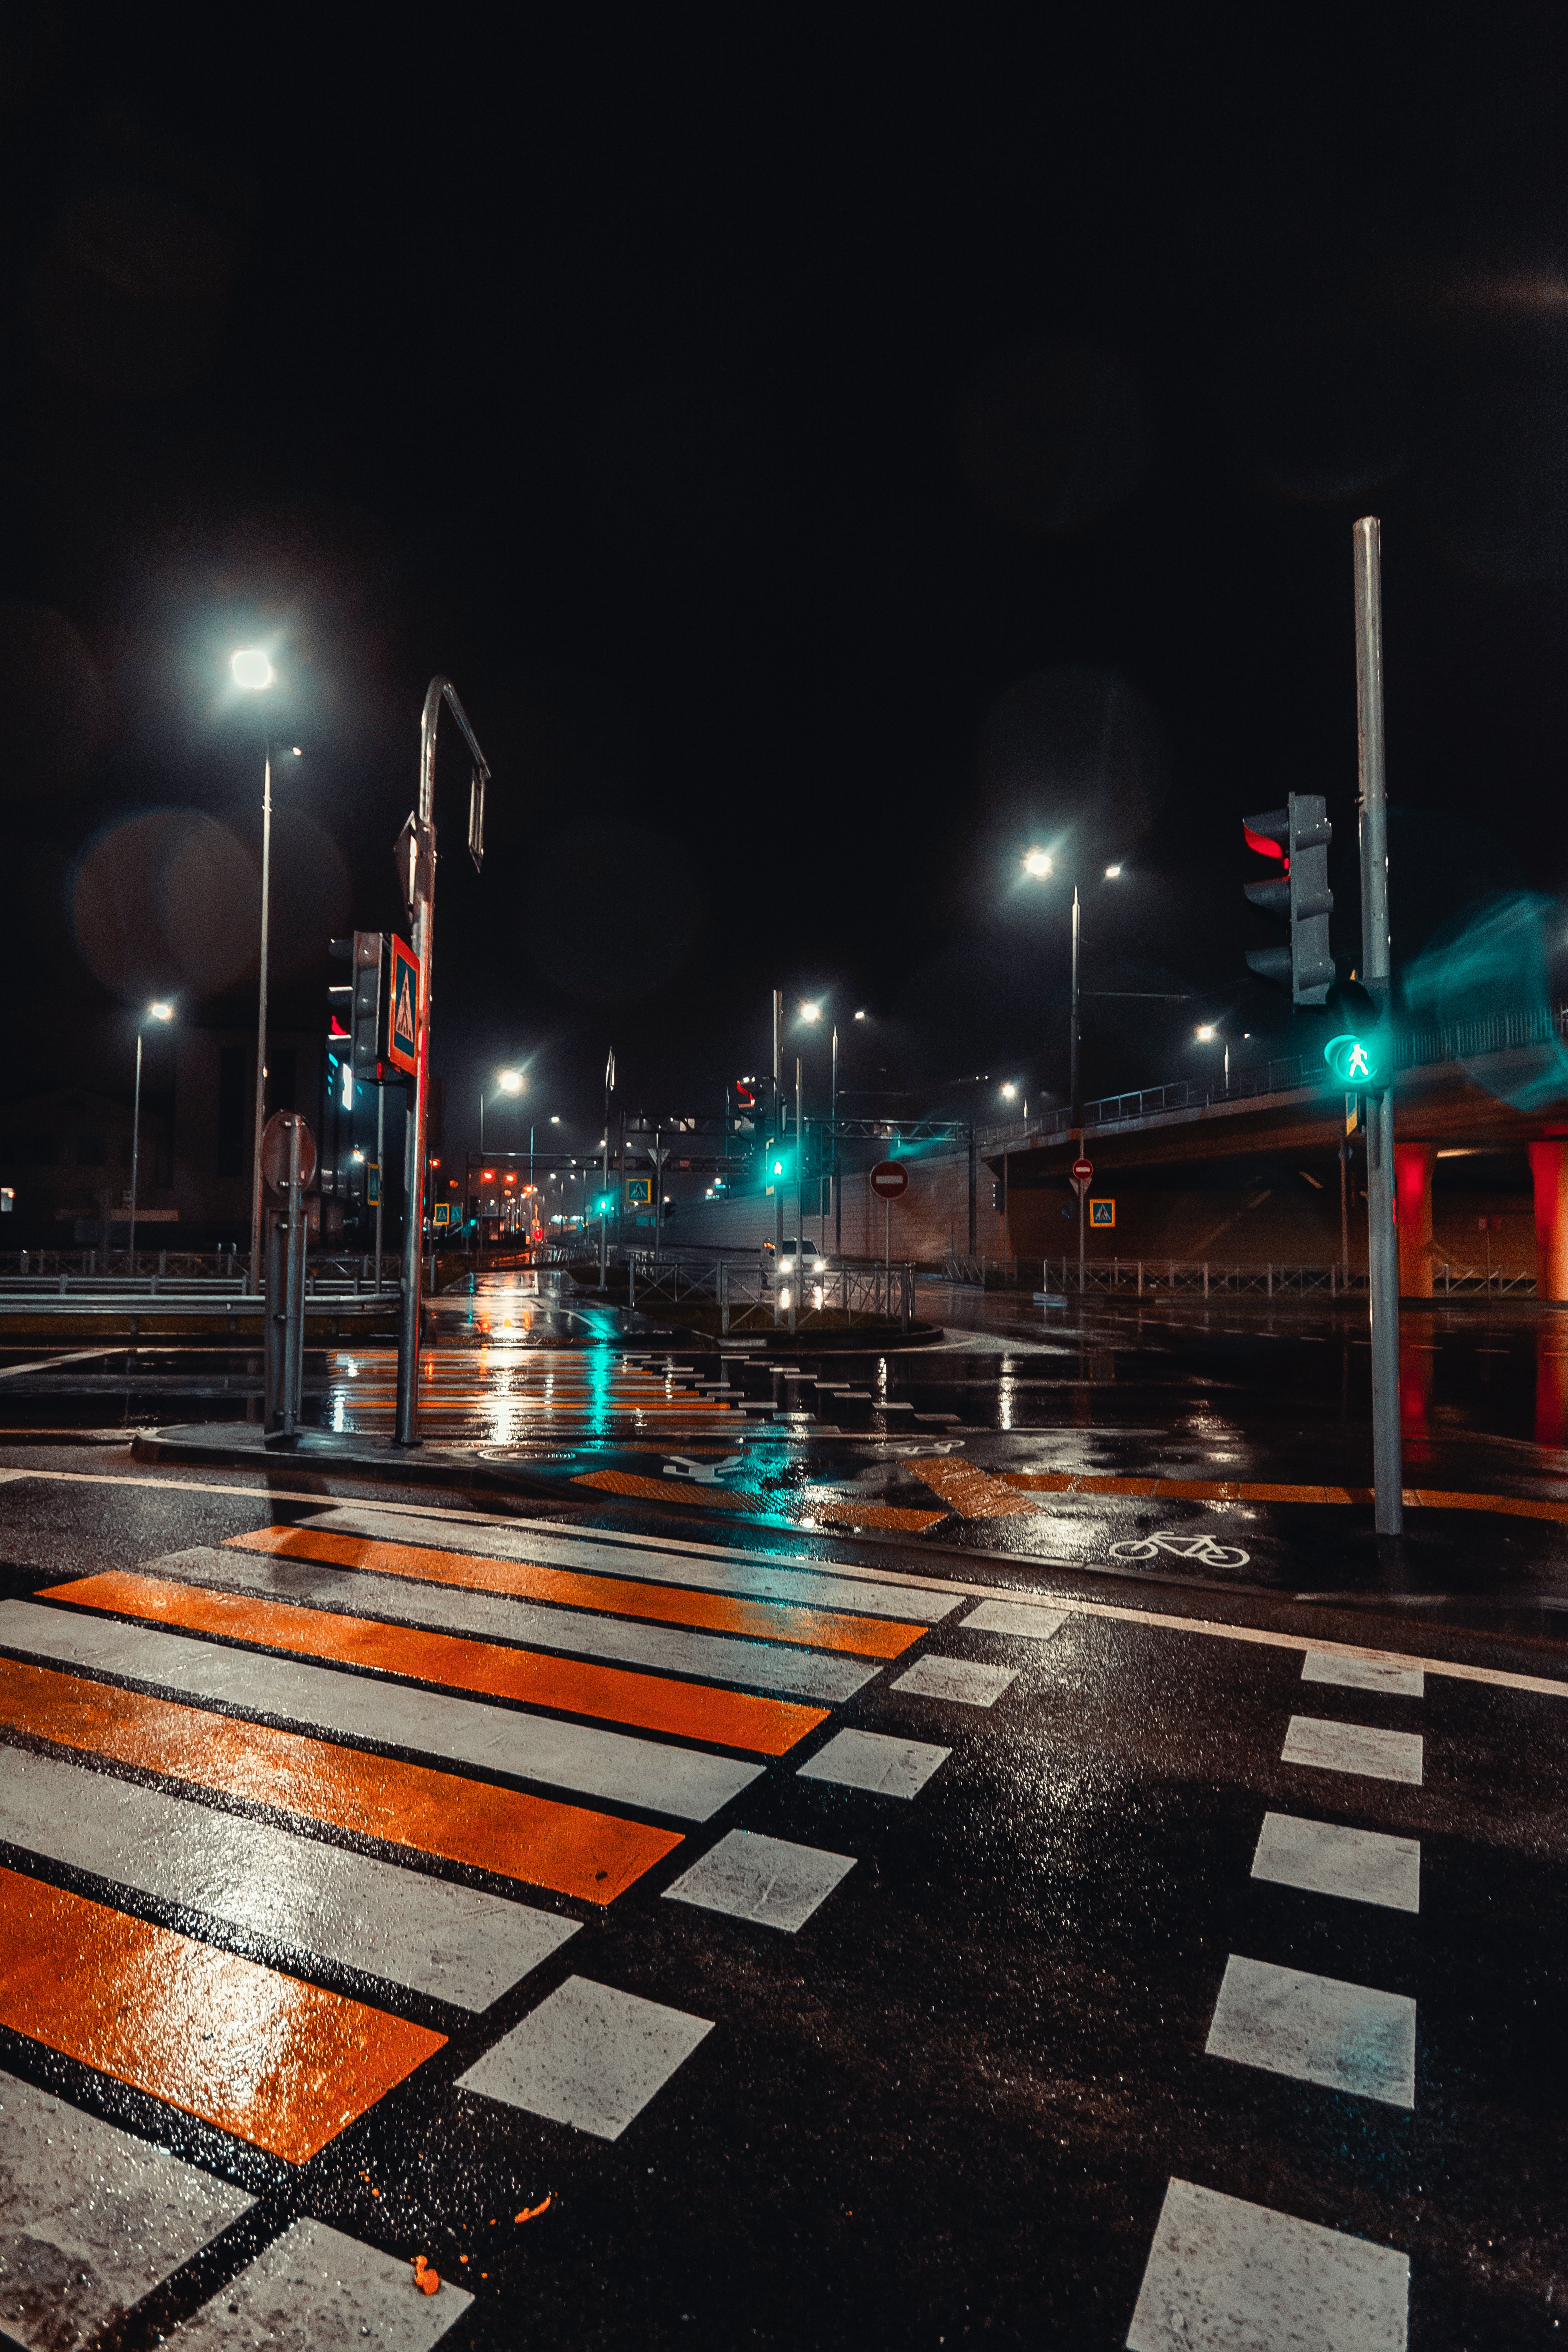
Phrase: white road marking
(77,1356)
(1394,1675)
(1226,2276)
(956,1679)
(1024,1618)
(1321,2030)
(768,1880)
(90,2219)
(839,1584)
(641,1773)
(314,2290)
(498,1617)
(452,1942)
(1354,1747)
(870,1760)
(1322,1857)
(759,1576)
(589,2056)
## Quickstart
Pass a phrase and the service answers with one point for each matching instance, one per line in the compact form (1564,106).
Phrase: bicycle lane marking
(862,1573)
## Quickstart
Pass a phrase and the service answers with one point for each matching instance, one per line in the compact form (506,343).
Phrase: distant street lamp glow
(1113,873)
(859,1016)
(251,669)
(1037,862)
(1207,1034)
(1009,1091)
(159,1013)
(511,1082)
(811,1011)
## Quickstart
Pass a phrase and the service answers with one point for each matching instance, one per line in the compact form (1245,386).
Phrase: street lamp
(509,1082)
(1038,865)
(153,1012)
(253,670)
(1205,1034)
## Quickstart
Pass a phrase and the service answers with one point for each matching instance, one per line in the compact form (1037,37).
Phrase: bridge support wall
(1413,1165)
(1549,1168)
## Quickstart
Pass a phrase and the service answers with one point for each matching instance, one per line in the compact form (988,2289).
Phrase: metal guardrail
(1205,1277)
(747,1292)
(170,1274)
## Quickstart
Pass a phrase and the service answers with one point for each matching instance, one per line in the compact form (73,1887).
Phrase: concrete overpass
(1441,1106)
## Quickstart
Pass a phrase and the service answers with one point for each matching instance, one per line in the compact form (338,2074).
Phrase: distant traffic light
(742,1103)
(1299,835)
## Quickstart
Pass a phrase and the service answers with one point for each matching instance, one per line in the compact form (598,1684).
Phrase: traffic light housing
(356,1019)
(1298,835)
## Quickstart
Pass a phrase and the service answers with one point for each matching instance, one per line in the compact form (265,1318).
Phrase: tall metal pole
(605,1212)
(135,1146)
(380,1171)
(419,846)
(778,1084)
(1382,1253)
(833,1150)
(799,1198)
(1076,1109)
(481,1122)
(261,1028)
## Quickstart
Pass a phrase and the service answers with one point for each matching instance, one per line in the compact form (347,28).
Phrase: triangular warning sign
(404,1020)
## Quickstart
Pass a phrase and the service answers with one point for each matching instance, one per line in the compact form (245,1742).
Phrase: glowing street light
(511,1082)
(163,1013)
(1039,862)
(252,669)
(811,1011)
(1206,1034)
(1113,873)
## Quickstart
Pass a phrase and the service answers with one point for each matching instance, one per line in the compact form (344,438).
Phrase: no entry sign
(1083,1170)
(889,1180)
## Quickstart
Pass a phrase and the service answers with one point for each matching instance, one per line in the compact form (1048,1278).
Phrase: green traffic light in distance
(1352,1061)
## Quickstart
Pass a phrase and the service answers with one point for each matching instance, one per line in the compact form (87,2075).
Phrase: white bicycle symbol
(1203,1549)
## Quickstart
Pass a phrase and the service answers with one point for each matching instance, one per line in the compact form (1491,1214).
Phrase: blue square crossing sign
(1102,1213)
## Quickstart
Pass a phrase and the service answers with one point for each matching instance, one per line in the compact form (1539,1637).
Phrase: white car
(790,1252)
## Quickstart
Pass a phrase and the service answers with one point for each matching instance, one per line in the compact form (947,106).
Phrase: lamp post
(511,1082)
(153,1012)
(253,670)
(1205,1035)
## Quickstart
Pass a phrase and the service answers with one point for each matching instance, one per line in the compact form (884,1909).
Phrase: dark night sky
(826,456)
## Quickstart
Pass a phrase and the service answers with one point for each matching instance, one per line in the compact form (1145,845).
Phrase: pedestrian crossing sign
(403,1014)
(1102,1213)
(441,1214)
(639,1192)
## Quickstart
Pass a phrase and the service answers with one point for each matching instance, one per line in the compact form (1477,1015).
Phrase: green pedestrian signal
(1353,1061)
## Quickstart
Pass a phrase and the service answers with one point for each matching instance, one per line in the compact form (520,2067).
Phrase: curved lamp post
(417,866)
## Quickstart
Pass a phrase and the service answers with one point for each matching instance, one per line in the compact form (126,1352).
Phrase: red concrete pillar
(1548,1166)
(1550,1387)
(1413,1164)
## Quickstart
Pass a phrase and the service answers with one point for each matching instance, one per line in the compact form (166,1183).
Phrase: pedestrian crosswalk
(501,1393)
(300,1743)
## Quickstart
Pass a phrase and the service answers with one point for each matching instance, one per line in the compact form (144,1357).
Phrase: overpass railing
(1414,1049)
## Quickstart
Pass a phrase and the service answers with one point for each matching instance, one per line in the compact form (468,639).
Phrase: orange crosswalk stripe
(672,1604)
(282,2065)
(974,1494)
(570,1849)
(610,1693)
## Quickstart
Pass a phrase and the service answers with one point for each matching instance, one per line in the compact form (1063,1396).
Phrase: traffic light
(1298,835)
(355,1020)
(1359,1055)
(743,1105)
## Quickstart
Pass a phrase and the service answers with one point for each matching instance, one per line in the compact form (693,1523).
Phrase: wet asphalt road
(1104,2023)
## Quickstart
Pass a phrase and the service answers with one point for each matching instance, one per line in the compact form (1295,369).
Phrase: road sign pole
(1383,1250)
(419,891)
